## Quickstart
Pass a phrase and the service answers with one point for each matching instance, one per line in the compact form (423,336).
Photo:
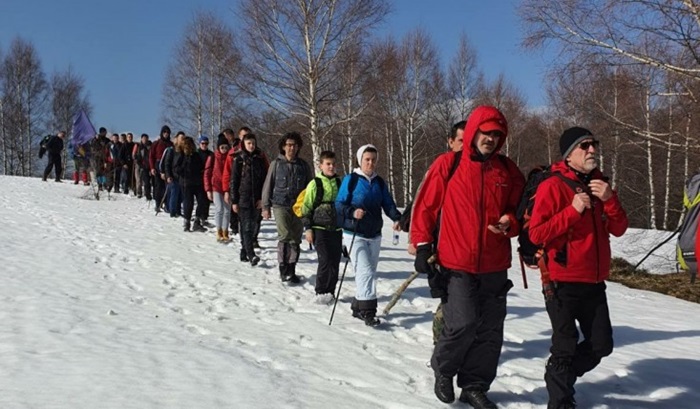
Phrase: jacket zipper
(481,219)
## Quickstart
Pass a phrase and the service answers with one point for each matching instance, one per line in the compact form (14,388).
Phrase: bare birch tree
(200,92)
(463,77)
(24,93)
(292,46)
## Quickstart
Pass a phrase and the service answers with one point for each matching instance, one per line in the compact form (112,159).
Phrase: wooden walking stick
(403,287)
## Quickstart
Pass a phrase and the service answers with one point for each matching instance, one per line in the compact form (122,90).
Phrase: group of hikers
(461,224)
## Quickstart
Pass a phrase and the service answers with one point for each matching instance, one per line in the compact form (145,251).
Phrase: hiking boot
(368,316)
(197,226)
(225,236)
(219,235)
(444,389)
(476,398)
(244,256)
(254,261)
(293,278)
(567,404)
(187,225)
(370,319)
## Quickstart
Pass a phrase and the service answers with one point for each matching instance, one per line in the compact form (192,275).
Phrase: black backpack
(324,213)
(530,253)
(43,145)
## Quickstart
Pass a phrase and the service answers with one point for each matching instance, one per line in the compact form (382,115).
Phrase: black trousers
(54,162)
(158,190)
(586,304)
(249,218)
(329,247)
(470,343)
(117,177)
(257,227)
(189,194)
(145,187)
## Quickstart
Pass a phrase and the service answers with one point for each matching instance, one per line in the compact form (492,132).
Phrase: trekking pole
(165,194)
(347,260)
(657,247)
(522,268)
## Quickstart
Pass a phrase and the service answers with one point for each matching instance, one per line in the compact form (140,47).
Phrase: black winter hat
(221,140)
(163,129)
(572,137)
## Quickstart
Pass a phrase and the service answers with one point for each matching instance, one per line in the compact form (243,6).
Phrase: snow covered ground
(104,305)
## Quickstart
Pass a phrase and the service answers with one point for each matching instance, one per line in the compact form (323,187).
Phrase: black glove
(438,285)
(423,263)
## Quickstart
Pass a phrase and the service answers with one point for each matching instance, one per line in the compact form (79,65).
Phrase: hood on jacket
(362,150)
(486,118)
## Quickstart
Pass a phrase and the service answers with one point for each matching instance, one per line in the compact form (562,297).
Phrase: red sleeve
(429,198)
(552,217)
(617,222)
(226,174)
(152,155)
(517,180)
(208,172)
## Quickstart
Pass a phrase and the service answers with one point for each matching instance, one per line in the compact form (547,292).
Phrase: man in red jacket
(574,215)
(477,220)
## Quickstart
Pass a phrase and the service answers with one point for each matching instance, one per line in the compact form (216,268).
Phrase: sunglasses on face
(588,144)
(494,134)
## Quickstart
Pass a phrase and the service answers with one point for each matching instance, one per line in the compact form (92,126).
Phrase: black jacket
(188,169)
(54,146)
(125,152)
(247,178)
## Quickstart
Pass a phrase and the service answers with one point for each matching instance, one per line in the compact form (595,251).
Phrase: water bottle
(395,238)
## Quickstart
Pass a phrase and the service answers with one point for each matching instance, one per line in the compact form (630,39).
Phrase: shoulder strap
(574,185)
(351,186)
(455,164)
(319,192)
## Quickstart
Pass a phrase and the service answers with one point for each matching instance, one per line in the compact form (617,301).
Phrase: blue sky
(121,48)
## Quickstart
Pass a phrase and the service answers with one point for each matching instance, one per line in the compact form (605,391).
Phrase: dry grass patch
(674,284)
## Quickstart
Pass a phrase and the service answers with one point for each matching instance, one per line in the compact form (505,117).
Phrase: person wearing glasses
(574,225)
(287,177)
(475,209)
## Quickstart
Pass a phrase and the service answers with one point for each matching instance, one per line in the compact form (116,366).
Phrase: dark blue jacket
(370,195)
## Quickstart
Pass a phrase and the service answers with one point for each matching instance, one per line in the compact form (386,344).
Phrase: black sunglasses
(588,144)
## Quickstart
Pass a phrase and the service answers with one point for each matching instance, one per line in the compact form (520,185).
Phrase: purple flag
(83,130)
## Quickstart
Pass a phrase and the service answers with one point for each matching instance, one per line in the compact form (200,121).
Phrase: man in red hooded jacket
(574,215)
(477,219)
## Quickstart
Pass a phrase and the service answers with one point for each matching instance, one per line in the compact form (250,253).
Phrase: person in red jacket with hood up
(573,217)
(475,208)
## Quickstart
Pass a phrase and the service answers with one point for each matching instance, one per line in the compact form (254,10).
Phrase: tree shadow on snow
(644,384)
(625,335)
